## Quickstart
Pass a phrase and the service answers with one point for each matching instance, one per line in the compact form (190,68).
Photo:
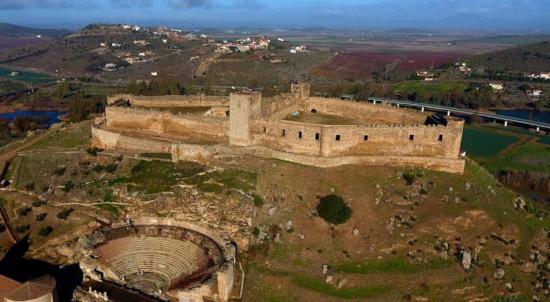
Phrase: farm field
(484,143)
(362,65)
(25,76)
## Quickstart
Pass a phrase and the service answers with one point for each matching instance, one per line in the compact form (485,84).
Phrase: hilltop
(530,57)
(137,51)
(15,31)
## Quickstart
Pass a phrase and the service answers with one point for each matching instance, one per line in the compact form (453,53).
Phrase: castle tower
(300,91)
(242,106)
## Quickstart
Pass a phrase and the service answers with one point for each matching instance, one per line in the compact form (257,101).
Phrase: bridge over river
(448,110)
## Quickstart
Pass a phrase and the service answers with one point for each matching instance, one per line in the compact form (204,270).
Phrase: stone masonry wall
(165,122)
(367,112)
(358,140)
(171,100)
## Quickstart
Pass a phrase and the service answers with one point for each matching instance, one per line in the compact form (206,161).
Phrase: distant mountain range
(15,31)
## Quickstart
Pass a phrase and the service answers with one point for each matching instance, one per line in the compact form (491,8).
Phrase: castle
(293,127)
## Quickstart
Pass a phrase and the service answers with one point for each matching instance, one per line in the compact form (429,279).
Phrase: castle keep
(294,126)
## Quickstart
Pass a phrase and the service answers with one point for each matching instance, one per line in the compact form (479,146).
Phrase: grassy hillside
(531,58)
(85,51)
(15,31)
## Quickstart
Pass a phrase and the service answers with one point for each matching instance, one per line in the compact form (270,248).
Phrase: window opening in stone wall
(440,138)
(283,133)
(338,137)
(299,134)
(365,138)
(411,137)
(317,136)
(265,130)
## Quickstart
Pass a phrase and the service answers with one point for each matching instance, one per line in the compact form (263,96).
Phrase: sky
(423,14)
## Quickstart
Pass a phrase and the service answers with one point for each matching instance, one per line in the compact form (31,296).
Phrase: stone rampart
(358,140)
(205,153)
(369,113)
(165,122)
(110,140)
(171,100)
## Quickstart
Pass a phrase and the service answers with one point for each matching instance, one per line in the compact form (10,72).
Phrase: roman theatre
(161,258)
(293,126)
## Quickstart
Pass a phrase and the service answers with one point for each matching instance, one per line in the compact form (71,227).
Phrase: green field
(25,76)
(409,87)
(526,157)
(485,143)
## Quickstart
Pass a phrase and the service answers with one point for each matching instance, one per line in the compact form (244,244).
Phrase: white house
(535,92)
(496,86)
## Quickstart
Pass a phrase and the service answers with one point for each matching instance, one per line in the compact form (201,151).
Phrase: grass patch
(346,293)
(159,176)
(527,157)
(110,208)
(395,266)
(157,155)
(485,143)
(69,138)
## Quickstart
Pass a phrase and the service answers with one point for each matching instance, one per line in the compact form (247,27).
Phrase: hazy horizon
(490,15)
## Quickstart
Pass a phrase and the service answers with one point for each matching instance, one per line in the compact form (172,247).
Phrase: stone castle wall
(397,137)
(375,114)
(171,100)
(358,140)
(164,122)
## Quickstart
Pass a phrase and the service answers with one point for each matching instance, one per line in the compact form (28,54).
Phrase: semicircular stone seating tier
(165,257)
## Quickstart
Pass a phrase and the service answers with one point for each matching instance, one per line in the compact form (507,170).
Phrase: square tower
(242,106)
(300,91)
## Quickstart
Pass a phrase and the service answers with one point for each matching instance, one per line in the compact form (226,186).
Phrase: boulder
(466,259)
(499,274)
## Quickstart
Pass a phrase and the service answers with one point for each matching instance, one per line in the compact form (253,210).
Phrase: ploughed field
(361,65)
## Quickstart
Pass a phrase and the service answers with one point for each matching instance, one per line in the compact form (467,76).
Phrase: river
(51,114)
(534,115)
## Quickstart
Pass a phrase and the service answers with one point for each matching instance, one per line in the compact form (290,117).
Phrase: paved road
(449,110)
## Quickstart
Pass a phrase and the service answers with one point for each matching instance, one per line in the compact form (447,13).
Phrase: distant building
(535,92)
(496,86)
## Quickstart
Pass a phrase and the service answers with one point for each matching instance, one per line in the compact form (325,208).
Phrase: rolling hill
(531,57)
(15,31)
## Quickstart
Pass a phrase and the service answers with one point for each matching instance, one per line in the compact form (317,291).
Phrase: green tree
(334,209)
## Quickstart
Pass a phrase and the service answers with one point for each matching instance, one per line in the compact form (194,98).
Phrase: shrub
(68,186)
(111,168)
(334,209)
(255,231)
(258,201)
(24,211)
(37,203)
(30,186)
(45,231)
(409,178)
(423,191)
(2,228)
(98,168)
(41,217)
(92,151)
(60,171)
(65,213)
(22,228)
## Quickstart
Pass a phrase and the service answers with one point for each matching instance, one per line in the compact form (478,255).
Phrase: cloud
(132,3)
(53,4)
(189,3)
(248,4)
